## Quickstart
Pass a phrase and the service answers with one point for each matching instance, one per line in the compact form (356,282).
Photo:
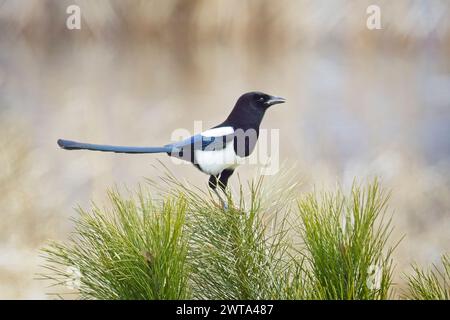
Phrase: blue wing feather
(199,141)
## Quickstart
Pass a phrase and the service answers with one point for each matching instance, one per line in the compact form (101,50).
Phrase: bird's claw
(225,206)
(222,201)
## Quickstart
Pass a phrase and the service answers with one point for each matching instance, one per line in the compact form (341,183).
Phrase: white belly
(214,162)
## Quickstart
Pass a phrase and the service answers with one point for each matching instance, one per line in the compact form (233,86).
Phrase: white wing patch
(217,132)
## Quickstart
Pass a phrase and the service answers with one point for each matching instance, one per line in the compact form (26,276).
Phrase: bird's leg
(223,180)
(213,180)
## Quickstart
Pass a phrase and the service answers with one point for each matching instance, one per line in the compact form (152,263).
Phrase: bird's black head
(250,109)
(259,100)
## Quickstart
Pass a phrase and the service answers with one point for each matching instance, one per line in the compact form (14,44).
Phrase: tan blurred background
(360,103)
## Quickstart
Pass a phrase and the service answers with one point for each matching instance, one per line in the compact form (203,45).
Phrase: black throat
(245,116)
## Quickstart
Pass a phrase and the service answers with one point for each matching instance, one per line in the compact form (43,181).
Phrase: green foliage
(234,255)
(242,252)
(185,246)
(344,244)
(137,250)
(433,284)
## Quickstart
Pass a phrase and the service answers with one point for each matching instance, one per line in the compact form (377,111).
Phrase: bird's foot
(222,200)
(225,206)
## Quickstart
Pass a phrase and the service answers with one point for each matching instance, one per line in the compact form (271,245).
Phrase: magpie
(217,151)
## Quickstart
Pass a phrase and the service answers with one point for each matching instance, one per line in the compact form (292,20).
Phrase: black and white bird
(217,151)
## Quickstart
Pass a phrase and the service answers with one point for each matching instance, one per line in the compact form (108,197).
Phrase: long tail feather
(73,145)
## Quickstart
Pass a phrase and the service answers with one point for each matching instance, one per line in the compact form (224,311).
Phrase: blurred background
(360,103)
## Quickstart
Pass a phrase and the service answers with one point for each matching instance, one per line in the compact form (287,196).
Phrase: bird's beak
(275,100)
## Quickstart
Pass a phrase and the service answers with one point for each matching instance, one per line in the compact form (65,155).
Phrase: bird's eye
(261,99)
